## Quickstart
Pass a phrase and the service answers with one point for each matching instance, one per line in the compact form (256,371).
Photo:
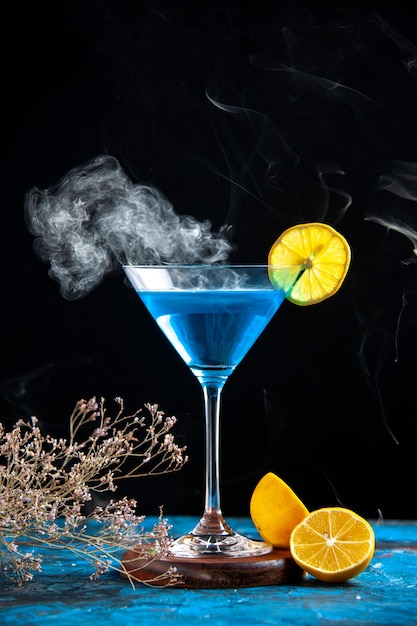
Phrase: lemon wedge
(275,510)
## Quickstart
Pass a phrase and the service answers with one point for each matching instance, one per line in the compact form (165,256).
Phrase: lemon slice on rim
(309,262)
(333,544)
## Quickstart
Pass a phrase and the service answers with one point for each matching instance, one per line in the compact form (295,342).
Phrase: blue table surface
(385,593)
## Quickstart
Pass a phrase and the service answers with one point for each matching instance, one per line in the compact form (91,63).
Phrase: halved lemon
(333,544)
(275,510)
(309,262)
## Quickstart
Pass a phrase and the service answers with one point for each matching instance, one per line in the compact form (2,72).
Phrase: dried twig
(46,482)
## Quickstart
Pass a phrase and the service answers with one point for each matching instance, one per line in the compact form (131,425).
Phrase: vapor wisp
(400,179)
(96,219)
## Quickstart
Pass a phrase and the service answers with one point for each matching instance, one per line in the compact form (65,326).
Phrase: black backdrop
(257,118)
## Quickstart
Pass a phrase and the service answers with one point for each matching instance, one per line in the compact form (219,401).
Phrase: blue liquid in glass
(212,329)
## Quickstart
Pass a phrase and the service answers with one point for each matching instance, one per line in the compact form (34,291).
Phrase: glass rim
(203,266)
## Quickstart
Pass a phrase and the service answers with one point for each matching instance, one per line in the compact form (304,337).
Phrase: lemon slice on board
(333,544)
(309,262)
(275,510)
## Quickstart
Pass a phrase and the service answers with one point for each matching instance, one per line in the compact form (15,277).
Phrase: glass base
(227,545)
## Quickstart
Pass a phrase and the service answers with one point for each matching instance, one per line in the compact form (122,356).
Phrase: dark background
(258,118)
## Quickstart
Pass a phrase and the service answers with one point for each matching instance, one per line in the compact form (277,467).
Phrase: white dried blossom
(45,483)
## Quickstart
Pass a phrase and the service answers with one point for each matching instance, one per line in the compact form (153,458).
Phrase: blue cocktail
(212,315)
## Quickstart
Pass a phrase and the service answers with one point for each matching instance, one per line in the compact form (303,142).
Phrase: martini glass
(212,315)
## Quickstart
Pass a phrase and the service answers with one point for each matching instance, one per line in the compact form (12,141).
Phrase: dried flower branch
(46,482)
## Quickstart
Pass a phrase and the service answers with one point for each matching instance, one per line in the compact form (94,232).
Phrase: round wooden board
(209,572)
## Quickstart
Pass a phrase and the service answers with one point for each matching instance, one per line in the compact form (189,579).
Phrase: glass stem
(212,522)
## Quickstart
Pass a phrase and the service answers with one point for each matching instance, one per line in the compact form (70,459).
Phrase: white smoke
(96,219)
(400,179)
